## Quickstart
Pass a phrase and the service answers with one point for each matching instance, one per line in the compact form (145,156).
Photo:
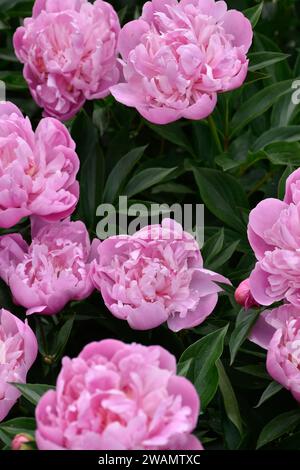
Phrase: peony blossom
(178,55)
(117,396)
(274,234)
(243,295)
(54,269)
(37,169)
(18,351)
(154,276)
(278,331)
(68,49)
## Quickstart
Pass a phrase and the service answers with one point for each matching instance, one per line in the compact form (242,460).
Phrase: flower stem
(215,134)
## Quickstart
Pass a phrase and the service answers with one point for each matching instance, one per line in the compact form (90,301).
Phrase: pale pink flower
(18,351)
(155,276)
(115,396)
(278,331)
(53,270)
(37,169)
(68,49)
(274,234)
(178,55)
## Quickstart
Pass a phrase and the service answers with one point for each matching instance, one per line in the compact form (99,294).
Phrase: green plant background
(230,162)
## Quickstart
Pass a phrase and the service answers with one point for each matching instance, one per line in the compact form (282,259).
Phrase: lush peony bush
(117,319)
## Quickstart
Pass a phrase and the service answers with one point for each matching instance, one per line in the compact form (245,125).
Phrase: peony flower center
(44,264)
(158,276)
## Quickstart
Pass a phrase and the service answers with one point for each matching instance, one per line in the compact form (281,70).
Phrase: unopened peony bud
(21,441)
(243,295)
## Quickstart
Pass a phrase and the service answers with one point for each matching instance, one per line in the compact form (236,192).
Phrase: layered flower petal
(54,269)
(68,49)
(274,234)
(18,351)
(154,276)
(37,169)
(115,396)
(178,55)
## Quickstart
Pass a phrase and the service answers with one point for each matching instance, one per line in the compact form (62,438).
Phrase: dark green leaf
(61,338)
(258,104)
(270,391)
(91,173)
(284,153)
(14,81)
(260,60)
(282,182)
(223,257)
(280,425)
(32,392)
(198,364)
(241,332)
(8,429)
(213,246)
(229,398)
(223,195)
(257,370)
(146,179)
(253,13)
(120,172)
(277,134)
(173,133)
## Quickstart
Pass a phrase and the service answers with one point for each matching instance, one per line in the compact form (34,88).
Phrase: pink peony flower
(18,351)
(69,51)
(243,295)
(154,276)
(54,269)
(278,331)
(274,234)
(178,55)
(37,170)
(116,396)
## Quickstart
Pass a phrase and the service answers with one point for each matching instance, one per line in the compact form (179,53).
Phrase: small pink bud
(20,442)
(243,295)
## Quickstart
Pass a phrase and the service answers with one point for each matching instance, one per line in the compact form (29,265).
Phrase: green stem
(43,336)
(215,134)
(226,133)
